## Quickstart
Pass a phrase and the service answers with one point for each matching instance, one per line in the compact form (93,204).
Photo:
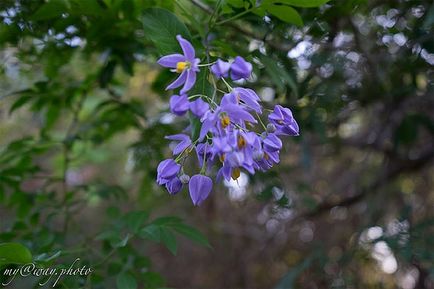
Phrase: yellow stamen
(222,157)
(266,156)
(225,121)
(236,173)
(280,122)
(181,66)
(241,142)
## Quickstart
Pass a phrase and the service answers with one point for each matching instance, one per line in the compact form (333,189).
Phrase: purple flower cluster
(227,142)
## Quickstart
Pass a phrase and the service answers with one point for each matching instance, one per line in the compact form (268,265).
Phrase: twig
(392,173)
(243,31)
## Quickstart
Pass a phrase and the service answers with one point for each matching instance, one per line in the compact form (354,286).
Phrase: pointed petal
(171,60)
(189,82)
(187,48)
(179,81)
(199,186)
(181,147)
(180,137)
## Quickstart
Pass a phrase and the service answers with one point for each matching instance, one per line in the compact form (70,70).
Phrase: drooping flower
(224,115)
(248,97)
(166,171)
(272,143)
(199,107)
(200,187)
(184,142)
(186,64)
(174,186)
(179,104)
(240,68)
(285,123)
(220,68)
(226,141)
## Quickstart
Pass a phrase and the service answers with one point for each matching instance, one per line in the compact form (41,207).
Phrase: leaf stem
(236,16)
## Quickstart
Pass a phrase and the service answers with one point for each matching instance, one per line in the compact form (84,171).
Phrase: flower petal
(199,186)
(178,82)
(171,60)
(187,48)
(189,82)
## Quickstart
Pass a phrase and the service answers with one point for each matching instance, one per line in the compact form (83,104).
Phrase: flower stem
(206,64)
(227,84)
(236,16)
(260,120)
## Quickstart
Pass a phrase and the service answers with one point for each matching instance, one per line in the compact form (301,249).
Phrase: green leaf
(51,9)
(14,253)
(126,281)
(119,243)
(134,220)
(300,3)
(192,234)
(151,232)
(195,125)
(236,3)
(279,75)
(167,221)
(285,13)
(161,27)
(169,240)
(22,100)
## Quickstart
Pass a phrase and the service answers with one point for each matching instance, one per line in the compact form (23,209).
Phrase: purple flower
(248,97)
(240,68)
(220,68)
(186,64)
(166,171)
(184,140)
(199,107)
(200,186)
(174,186)
(224,115)
(272,143)
(179,104)
(285,123)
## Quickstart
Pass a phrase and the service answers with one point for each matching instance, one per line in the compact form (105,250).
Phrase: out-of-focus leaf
(162,27)
(151,232)
(126,281)
(279,75)
(286,14)
(22,100)
(196,125)
(169,240)
(14,253)
(167,221)
(192,234)
(51,9)
(134,220)
(299,3)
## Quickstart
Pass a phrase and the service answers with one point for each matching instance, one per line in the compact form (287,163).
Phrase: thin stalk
(236,16)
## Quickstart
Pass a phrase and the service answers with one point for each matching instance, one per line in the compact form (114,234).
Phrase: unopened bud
(184,179)
(271,128)
(258,155)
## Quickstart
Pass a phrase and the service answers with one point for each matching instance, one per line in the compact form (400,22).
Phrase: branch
(391,174)
(275,45)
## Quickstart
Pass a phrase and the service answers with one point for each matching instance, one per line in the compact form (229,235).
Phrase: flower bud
(258,155)
(184,178)
(271,128)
